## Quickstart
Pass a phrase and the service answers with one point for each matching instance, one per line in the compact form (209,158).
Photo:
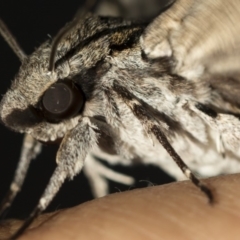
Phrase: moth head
(48,95)
(38,97)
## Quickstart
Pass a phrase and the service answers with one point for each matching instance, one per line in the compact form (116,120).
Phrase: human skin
(172,211)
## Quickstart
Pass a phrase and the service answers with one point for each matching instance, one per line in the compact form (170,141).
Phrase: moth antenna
(30,150)
(81,13)
(11,41)
(152,126)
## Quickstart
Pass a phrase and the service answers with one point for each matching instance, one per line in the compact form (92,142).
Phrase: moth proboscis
(104,97)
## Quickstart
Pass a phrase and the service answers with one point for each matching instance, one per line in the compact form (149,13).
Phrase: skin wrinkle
(103,230)
(106,214)
(175,209)
(184,225)
(174,220)
(150,220)
(198,232)
(136,215)
(84,225)
(214,212)
(131,224)
(123,219)
(100,229)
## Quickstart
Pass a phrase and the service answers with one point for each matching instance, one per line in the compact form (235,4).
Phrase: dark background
(30,22)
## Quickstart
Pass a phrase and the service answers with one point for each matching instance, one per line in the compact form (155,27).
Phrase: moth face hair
(82,58)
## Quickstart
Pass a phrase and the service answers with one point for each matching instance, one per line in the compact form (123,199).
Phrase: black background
(30,22)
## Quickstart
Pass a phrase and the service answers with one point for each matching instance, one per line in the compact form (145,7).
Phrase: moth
(164,93)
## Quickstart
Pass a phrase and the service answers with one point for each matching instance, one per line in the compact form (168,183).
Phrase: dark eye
(62,101)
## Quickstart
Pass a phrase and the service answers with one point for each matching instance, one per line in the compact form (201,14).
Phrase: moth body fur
(137,106)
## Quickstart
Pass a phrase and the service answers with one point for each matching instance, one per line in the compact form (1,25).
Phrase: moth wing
(203,39)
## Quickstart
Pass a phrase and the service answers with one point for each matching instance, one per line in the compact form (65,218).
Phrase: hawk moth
(129,103)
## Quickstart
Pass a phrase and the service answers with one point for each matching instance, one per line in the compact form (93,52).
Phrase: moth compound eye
(62,101)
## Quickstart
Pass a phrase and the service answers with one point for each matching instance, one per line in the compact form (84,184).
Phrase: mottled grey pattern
(151,102)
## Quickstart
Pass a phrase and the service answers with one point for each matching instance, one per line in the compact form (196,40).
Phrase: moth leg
(152,126)
(30,149)
(98,174)
(70,159)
